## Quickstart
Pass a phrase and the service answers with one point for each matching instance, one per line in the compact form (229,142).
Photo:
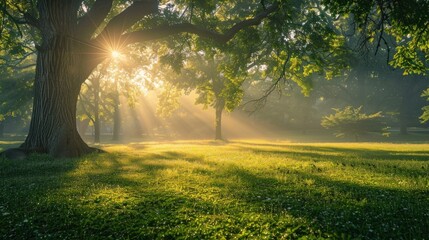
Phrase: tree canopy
(282,40)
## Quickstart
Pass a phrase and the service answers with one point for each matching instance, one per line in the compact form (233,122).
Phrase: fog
(286,115)
(154,103)
(189,121)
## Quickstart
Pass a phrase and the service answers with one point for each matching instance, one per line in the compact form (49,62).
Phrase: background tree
(352,122)
(16,80)
(125,76)
(214,81)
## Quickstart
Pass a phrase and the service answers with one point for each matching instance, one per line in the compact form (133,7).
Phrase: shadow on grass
(340,207)
(380,161)
(170,194)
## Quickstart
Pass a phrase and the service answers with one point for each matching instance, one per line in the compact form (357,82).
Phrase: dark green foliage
(377,21)
(352,122)
(16,89)
(16,95)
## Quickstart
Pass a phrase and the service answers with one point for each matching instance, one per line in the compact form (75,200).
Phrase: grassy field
(215,190)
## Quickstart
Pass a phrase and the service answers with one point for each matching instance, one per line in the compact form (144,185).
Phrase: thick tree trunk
(53,123)
(58,79)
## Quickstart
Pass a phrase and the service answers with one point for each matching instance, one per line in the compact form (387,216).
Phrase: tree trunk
(116,114)
(59,76)
(96,83)
(218,121)
(96,128)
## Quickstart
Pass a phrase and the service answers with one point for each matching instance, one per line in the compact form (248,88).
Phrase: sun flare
(116,54)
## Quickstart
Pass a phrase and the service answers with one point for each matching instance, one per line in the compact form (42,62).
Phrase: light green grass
(214,190)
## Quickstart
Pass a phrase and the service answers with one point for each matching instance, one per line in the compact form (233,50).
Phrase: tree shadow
(362,212)
(379,161)
(172,194)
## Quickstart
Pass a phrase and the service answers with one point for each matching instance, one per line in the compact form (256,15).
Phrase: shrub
(352,122)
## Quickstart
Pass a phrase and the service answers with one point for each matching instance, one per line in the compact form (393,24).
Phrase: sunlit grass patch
(208,189)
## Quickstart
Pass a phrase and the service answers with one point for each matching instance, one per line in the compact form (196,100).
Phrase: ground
(242,189)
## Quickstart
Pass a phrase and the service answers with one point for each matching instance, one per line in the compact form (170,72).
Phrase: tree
(16,81)
(99,99)
(425,116)
(217,84)
(89,100)
(405,21)
(74,36)
(350,121)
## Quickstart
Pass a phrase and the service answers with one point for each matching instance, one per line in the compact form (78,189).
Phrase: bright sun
(115,54)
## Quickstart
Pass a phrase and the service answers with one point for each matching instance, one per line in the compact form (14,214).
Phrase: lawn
(214,190)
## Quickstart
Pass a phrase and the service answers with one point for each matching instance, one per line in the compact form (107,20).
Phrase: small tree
(351,122)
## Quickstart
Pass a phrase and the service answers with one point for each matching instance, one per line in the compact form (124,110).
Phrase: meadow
(242,189)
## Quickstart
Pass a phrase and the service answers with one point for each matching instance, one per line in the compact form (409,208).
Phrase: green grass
(211,190)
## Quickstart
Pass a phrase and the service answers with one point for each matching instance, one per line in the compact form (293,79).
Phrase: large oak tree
(72,37)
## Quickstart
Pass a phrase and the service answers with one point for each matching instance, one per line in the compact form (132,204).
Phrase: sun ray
(116,54)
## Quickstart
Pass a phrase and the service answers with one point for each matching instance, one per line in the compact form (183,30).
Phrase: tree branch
(82,100)
(31,20)
(167,30)
(262,100)
(112,36)
(127,18)
(95,16)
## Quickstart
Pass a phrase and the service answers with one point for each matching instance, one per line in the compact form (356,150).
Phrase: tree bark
(53,123)
(57,85)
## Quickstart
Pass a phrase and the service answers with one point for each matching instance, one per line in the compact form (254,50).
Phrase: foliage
(168,100)
(350,121)
(202,190)
(16,85)
(297,43)
(128,76)
(283,40)
(376,20)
